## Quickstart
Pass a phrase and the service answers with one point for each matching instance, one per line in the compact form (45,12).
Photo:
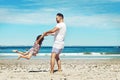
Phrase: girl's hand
(45,34)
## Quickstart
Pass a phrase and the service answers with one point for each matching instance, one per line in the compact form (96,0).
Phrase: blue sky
(89,22)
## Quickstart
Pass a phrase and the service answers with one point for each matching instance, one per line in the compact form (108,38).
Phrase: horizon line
(64,46)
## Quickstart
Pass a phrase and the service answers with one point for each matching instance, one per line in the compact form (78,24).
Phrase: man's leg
(52,62)
(58,62)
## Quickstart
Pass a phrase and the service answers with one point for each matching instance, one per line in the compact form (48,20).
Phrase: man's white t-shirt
(59,36)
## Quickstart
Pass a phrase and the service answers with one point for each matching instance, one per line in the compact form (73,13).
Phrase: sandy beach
(81,69)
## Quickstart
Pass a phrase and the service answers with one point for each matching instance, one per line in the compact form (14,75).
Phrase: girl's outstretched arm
(40,38)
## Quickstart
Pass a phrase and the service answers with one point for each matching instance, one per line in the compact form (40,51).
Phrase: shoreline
(82,69)
(64,56)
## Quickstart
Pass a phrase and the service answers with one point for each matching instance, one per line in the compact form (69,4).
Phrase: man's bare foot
(51,72)
(59,70)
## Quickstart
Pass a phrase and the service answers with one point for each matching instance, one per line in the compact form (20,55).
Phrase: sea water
(69,52)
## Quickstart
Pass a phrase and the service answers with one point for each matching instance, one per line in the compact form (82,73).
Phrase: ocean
(69,52)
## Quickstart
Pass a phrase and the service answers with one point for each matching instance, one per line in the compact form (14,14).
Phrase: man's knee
(53,55)
(57,57)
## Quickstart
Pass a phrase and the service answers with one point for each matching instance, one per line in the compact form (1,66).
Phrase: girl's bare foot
(16,51)
(19,57)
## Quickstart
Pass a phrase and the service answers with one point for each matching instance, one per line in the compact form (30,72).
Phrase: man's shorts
(57,51)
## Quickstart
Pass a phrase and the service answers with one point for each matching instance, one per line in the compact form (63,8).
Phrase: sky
(89,22)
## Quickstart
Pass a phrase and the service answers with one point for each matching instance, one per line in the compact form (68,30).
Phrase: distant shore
(82,69)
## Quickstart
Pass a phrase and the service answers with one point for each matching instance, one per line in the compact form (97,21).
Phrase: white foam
(8,54)
(94,53)
(63,54)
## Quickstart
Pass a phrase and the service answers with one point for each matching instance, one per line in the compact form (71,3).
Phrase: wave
(65,54)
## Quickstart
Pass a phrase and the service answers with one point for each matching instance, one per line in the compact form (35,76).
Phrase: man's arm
(51,31)
(51,34)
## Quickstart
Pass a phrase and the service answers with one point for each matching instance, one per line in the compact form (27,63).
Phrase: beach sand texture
(81,69)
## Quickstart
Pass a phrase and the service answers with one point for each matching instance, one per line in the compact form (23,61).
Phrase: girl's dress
(34,50)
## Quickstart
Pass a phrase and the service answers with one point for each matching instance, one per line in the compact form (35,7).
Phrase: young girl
(32,51)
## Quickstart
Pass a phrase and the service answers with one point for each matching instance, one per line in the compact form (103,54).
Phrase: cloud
(99,21)
(37,17)
(82,14)
(25,16)
(114,0)
(46,17)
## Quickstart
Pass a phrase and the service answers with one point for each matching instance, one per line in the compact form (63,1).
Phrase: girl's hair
(40,42)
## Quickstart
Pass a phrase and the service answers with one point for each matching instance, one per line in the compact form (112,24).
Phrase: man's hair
(60,14)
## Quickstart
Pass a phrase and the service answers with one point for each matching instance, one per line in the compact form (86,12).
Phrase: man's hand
(45,34)
(51,31)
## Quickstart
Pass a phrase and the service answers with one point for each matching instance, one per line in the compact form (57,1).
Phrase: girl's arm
(40,38)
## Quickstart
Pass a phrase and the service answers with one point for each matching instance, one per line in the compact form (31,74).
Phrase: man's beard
(57,21)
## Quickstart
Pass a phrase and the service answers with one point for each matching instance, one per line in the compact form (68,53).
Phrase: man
(59,34)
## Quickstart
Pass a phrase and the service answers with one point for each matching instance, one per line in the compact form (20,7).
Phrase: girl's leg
(28,56)
(25,55)
(20,52)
